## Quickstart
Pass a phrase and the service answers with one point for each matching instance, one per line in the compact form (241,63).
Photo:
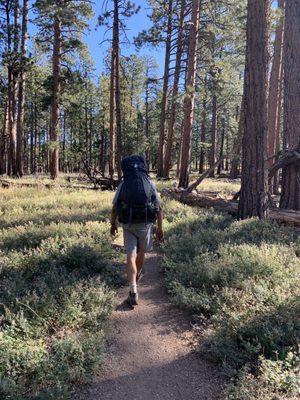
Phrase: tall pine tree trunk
(174,107)
(21,96)
(147,122)
(290,196)
(12,95)
(116,40)
(160,161)
(253,198)
(3,141)
(112,135)
(223,132)
(55,106)
(189,100)
(213,137)
(237,144)
(203,130)
(275,88)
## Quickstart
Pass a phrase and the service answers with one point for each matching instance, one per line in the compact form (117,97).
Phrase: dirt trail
(150,354)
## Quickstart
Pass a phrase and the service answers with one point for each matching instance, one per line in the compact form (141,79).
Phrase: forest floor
(152,353)
(222,295)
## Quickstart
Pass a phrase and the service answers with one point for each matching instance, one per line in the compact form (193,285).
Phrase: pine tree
(61,24)
(253,198)
(290,197)
(275,95)
(121,10)
(21,94)
(188,105)
(175,90)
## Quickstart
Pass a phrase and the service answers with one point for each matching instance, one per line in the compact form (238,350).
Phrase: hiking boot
(132,299)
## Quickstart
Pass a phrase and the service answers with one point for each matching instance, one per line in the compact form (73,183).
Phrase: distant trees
(52,130)
(56,116)
(254,188)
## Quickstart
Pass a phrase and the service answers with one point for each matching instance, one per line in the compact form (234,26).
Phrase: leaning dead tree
(207,173)
(286,159)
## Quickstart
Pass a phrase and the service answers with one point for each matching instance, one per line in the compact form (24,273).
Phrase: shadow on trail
(183,378)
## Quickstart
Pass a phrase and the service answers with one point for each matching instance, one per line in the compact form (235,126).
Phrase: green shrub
(243,279)
(58,271)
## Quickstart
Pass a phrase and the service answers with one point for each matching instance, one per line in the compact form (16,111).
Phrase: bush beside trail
(241,282)
(57,275)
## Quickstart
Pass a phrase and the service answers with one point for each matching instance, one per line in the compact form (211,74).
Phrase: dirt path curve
(150,354)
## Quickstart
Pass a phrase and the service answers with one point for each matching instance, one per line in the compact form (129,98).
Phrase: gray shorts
(138,237)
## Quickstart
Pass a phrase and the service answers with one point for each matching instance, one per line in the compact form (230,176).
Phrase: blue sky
(135,24)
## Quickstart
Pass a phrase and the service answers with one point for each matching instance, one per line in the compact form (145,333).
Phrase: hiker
(136,206)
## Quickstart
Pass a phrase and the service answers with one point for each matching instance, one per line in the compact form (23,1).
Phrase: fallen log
(289,217)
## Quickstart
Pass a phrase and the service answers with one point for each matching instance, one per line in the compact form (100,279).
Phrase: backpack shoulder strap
(147,187)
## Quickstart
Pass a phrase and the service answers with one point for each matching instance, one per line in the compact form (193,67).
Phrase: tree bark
(237,144)
(55,106)
(21,99)
(203,132)
(275,92)
(223,132)
(214,118)
(112,136)
(177,70)
(12,91)
(3,142)
(147,125)
(254,187)
(117,89)
(290,197)
(188,105)
(160,161)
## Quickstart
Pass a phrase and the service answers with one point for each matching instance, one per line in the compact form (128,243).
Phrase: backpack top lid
(133,166)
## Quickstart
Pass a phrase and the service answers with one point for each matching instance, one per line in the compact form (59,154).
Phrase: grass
(58,273)
(240,280)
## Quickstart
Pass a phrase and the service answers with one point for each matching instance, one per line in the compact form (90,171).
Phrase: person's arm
(159,231)
(113,221)
(113,218)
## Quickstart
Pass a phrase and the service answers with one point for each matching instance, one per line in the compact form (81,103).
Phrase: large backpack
(135,202)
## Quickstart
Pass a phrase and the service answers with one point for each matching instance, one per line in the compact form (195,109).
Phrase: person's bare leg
(131,268)
(140,259)
(132,274)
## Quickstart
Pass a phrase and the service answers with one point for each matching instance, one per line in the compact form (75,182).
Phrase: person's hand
(159,235)
(113,229)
